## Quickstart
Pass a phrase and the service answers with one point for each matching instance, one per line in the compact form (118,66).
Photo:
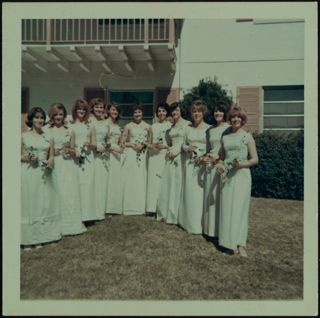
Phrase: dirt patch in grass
(137,257)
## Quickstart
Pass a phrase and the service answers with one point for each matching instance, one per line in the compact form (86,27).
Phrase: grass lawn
(137,257)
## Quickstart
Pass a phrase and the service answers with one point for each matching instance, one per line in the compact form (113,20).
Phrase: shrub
(279,173)
(209,91)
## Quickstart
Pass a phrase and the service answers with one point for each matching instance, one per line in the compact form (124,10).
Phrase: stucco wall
(241,54)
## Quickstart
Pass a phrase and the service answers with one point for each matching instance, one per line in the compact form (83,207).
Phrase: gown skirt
(115,184)
(66,182)
(156,162)
(135,178)
(235,202)
(211,202)
(191,207)
(40,215)
(171,189)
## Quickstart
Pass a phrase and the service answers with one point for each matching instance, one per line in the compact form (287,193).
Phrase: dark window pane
(285,93)
(283,108)
(283,122)
(131,97)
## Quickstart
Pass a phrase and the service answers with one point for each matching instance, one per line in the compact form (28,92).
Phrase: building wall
(58,86)
(241,53)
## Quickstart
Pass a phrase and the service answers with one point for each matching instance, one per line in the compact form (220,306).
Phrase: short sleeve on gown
(247,138)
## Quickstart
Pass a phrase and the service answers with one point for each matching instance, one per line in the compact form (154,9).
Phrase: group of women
(186,173)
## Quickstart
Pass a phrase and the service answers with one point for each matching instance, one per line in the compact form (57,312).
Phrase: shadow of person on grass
(215,241)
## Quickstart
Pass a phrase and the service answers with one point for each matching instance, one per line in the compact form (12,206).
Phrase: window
(126,100)
(283,108)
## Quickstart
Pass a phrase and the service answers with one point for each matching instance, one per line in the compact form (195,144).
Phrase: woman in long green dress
(135,138)
(40,215)
(171,185)
(156,156)
(191,207)
(234,170)
(211,203)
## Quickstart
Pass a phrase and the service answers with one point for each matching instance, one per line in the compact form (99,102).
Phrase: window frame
(293,115)
(134,90)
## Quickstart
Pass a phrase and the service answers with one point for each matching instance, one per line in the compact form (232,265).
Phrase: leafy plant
(279,173)
(209,91)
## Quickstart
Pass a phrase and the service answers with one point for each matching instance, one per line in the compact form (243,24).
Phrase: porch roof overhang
(111,57)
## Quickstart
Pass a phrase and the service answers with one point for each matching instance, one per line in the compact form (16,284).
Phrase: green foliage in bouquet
(279,173)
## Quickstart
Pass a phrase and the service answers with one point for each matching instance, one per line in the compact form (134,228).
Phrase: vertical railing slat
(85,30)
(121,29)
(159,25)
(128,29)
(109,31)
(97,30)
(37,30)
(152,29)
(31,30)
(72,33)
(67,30)
(103,30)
(91,29)
(134,29)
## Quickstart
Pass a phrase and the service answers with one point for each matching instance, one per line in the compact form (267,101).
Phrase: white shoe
(242,251)
(38,246)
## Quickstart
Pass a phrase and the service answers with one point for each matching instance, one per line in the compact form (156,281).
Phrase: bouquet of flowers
(38,163)
(196,155)
(141,140)
(84,154)
(229,166)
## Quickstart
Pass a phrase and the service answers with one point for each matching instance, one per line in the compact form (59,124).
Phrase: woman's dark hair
(221,107)
(32,113)
(116,106)
(54,109)
(80,104)
(163,105)
(96,101)
(137,107)
(174,106)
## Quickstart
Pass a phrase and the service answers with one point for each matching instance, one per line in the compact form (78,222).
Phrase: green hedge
(279,173)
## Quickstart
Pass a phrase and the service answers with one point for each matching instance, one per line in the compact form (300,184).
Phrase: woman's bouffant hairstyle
(137,107)
(116,106)
(199,105)
(238,111)
(54,109)
(80,104)
(163,105)
(222,107)
(174,106)
(96,101)
(32,113)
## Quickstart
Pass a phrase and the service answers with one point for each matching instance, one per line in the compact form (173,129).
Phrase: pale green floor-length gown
(211,202)
(171,186)
(66,182)
(115,179)
(191,207)
(86,172)
(156,162)
(102,169)
(135,172)
(235,194)
(40,214)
